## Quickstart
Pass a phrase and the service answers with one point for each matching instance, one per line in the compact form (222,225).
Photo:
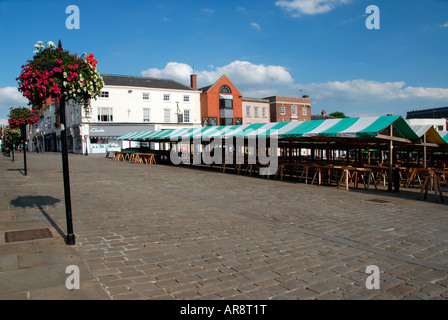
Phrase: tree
(338,114)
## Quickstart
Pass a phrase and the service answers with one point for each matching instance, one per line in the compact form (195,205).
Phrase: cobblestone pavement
(169,232)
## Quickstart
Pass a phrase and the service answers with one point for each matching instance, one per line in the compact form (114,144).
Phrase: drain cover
(379,200)
(26,235)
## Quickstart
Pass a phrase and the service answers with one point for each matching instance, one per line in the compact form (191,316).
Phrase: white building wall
(127,105)
(438,124)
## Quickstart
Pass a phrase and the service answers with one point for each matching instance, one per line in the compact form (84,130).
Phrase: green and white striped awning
(364,127)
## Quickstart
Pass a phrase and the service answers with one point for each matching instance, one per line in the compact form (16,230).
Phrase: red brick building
(289,108)
(221,103)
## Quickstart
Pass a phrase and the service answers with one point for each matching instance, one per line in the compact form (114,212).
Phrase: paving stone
(249,242)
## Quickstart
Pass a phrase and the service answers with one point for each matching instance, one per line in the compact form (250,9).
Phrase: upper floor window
(282,110)
(225,89)
(186,98)
(263,112)
(186,115)
(166,97)
(145,96)
(104,94)
(166,115)
(105,114)
(256,112)
(225,103)
(247,111)
(304,111)
(294,110)
(146,115)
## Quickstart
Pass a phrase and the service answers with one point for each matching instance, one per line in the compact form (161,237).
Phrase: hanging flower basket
(53,73)
(22,116)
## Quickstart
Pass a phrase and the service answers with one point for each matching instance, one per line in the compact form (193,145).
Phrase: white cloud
(309,7)
(445,25)
(244,74)
(10,97)
(173,70)
(255,25)
(354,97)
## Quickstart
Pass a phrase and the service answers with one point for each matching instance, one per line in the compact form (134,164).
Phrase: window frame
(147,112)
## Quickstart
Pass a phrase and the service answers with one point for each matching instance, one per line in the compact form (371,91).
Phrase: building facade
(255,110)
(434,113)
(221,104)
(289,108)
(127,104)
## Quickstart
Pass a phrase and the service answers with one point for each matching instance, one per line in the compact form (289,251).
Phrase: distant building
(438,124)
(287,109)
(221,103)
(322,116)
(434,113)
(437,117)
(127,104)
(255,110)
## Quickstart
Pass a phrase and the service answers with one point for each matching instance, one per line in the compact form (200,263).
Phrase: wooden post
(424,151)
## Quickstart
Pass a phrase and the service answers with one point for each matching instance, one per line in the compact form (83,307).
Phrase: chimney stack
(193,82)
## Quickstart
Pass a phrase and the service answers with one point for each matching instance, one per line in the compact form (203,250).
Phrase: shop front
(100,139)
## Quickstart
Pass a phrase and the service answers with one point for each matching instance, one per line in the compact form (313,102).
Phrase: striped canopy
(365,127)
(432,135)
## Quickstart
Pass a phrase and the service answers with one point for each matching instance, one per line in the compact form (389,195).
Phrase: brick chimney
(323,113)
(193,81)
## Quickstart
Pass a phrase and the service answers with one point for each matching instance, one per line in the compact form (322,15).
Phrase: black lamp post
(24,148)
(65,170)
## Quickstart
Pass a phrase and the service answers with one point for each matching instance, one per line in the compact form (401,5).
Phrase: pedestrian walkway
(172,232)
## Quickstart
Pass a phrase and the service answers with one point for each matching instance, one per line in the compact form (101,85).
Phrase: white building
(255,110)
(438,124)
(127,104)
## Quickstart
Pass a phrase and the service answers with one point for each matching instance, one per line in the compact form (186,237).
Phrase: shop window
(209,122)
(226,121)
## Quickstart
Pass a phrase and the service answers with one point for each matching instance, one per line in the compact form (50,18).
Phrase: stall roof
(444,135)
(365,127)
(432,135)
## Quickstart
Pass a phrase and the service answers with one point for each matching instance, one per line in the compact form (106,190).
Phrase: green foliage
(338,114)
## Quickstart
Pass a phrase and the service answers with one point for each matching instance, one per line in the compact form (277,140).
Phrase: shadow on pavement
(39,202)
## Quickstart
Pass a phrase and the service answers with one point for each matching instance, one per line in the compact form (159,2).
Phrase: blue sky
(281,47)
